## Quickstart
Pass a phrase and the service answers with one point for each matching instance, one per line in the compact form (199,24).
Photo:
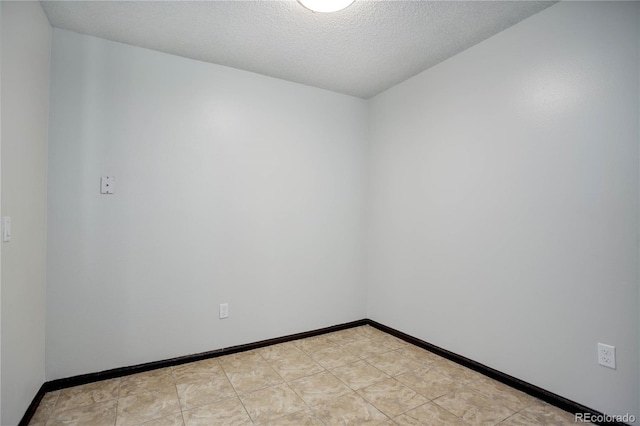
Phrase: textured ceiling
(360,51)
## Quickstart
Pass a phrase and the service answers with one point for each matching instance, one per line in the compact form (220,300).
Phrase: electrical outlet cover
(607,355)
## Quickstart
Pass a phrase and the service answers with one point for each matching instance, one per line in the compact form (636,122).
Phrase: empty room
(314,212)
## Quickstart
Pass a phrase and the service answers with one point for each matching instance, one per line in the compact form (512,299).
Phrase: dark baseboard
(141,368)
(535,391)
(31,410)
(528,388)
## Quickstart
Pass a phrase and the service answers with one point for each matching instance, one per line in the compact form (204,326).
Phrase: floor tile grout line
(529,397)
(53,406)
(286,383)
(213,401)
(175,384)
(451,393)
(417,393)
(448,411)
(236,392)
(115,420)
(305,402)
(437,405)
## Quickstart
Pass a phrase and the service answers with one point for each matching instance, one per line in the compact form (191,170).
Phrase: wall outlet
(224,310)
(607,355)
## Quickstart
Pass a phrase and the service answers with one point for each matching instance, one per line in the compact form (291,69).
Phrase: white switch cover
(6,229)
(107,184)
(224,310)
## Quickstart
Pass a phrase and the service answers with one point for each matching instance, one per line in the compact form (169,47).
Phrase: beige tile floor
(359,376)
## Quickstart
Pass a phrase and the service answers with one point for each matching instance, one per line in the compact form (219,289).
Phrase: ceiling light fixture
(326,6)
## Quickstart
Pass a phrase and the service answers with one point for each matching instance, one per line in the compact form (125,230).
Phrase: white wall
(230,187)
(26,48)
(504,203)
(0,212)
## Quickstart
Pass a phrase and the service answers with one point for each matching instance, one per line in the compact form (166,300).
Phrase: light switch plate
(6,229)
(224,310)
